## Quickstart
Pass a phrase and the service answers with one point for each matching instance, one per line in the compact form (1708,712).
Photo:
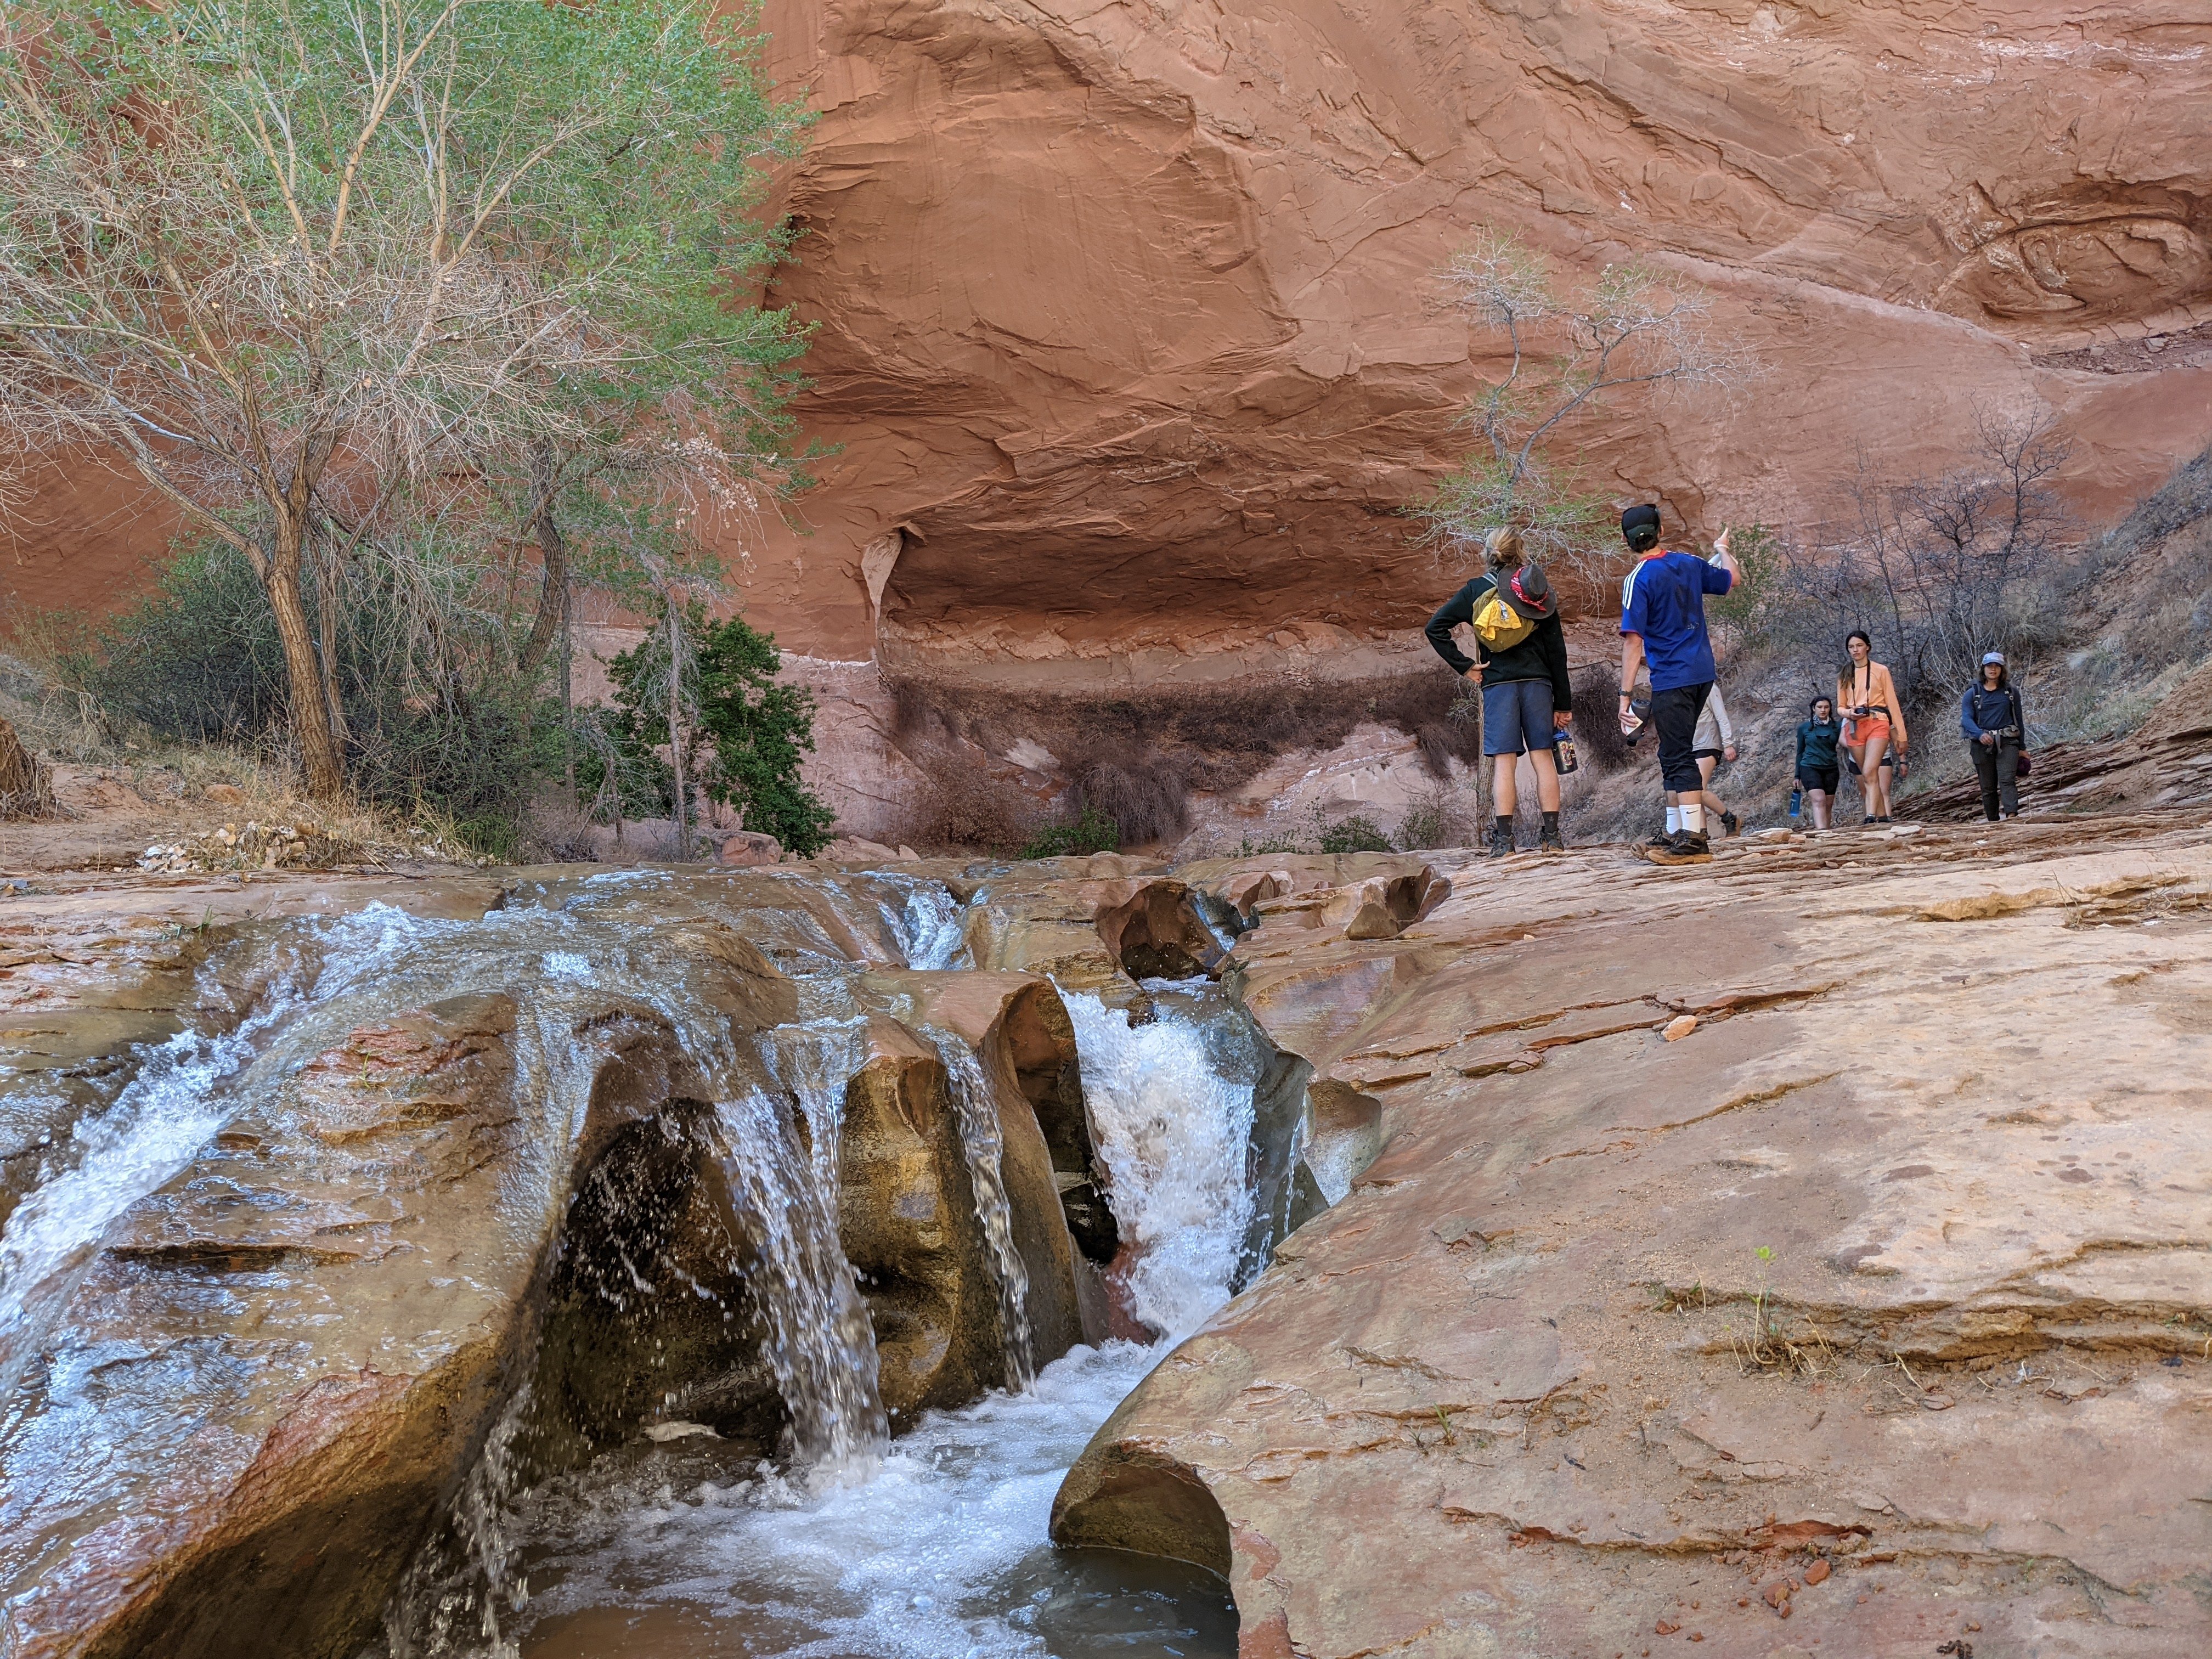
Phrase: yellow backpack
(1497,624)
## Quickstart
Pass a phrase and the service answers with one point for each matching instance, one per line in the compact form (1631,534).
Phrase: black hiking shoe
(1687,847)
(1659,840)
(1730,822)
(1501,843)
(1551,841)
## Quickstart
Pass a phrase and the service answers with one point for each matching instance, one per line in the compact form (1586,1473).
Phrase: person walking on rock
(1521,663)
(1713,743)
(1662,624)
(1817,738)
(1990,719)
(1874,718)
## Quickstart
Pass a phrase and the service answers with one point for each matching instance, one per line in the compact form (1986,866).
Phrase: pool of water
(685,1549)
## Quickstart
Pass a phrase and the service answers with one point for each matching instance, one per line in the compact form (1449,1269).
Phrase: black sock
(1551,821)
(1506,826)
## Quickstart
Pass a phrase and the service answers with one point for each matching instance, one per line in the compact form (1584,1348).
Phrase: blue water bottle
(1796,797)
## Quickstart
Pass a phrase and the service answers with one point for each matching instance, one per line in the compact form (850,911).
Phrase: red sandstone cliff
(1128,327)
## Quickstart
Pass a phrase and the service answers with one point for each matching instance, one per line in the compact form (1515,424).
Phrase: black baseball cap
(1639,516)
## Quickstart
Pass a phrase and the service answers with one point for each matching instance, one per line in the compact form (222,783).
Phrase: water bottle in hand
(1796,798)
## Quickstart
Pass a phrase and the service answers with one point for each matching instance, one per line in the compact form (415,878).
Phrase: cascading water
(941,1551)
(984,1149)
(850,1544)
(1175,1133)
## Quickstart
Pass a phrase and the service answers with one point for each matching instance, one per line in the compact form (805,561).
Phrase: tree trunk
(680,792)
(326,614)
(25,787)
(553,550)
(568,688)
(311,714)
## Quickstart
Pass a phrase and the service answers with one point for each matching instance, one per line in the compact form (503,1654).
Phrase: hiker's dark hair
(1641,537)
(1843,674)
(2004,677)
(1813,708)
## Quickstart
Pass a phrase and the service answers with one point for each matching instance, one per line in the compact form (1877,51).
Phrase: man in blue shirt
(1663,622)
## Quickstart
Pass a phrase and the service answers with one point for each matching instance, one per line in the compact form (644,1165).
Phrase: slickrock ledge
(1873,1313)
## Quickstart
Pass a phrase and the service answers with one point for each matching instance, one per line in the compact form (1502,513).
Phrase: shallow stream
(938,1549)
(848,1543)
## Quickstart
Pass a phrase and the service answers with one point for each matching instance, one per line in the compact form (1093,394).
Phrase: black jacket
(1541,656)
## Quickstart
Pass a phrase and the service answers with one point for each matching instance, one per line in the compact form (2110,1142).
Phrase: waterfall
(1175,1133)
(824,1350)
(984,1148)
(929,926)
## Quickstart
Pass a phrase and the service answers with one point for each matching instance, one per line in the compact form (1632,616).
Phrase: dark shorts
(1674,716)
(1714,755)
(1516,717)
(1822,778)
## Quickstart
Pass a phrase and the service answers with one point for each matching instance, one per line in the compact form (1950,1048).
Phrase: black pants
(1674,716)
(1999,765)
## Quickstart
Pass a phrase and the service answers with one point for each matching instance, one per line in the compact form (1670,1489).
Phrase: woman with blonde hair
(1874,718)
(1520,666)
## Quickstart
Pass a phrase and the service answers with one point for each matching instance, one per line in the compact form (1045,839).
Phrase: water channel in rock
(683,1547)
(817,1533)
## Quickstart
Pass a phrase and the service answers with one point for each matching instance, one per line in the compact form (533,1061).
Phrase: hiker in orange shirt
(1874,718)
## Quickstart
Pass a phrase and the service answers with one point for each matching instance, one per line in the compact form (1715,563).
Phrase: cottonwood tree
(343,278)
(1571,349)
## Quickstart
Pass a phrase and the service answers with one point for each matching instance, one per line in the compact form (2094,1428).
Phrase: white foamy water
(940,1550)
(940,1554)
(984,1149)
(1175,1135)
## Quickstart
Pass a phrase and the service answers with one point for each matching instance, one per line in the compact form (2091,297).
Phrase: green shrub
(756,730)
(1091,832)
(198,661)
(1355,834)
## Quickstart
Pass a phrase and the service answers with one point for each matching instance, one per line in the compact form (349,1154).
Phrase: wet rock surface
(1876,1302)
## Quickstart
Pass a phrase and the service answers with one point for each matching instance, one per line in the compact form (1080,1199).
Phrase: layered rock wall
(1128,324)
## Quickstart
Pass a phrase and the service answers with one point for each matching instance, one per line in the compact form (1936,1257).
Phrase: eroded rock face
(1127,326)
(1876,1303)
(1127,320)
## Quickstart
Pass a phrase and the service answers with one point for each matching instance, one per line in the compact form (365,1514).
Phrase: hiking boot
(1660,839)
(1730,823)
(1551,841)
(1501,843)
(1687,847)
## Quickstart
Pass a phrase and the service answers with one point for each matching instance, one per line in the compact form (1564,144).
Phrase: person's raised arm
(1723,561)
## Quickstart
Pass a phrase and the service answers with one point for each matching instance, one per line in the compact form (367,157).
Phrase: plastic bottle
(1563,754)
(1796,797)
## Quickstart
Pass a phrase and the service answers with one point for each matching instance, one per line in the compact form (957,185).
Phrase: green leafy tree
(348,280)
(1568,350)
(740,734)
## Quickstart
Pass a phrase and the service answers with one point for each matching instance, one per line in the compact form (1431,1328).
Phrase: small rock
(661,1433)
(1778,1596)
(1816,1573)
(1663,1628)
(748,848)
(1679,1027)
(228,795)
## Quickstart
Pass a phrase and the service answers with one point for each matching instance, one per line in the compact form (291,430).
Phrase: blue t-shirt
(1663,600)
